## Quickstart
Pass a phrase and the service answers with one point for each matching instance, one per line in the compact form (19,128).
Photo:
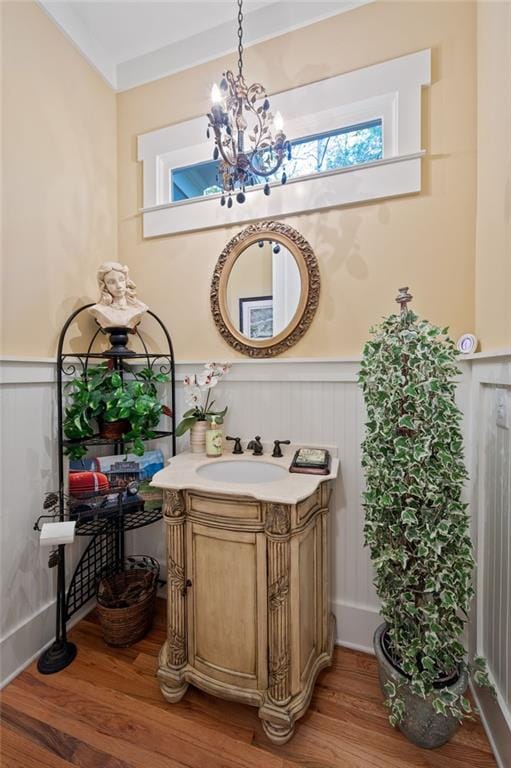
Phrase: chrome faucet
(256,446)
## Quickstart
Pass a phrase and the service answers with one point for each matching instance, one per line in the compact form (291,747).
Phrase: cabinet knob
(188,583)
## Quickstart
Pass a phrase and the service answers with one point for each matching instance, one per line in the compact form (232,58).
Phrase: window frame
(390,91)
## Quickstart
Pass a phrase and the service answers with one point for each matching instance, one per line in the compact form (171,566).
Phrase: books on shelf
(97,485)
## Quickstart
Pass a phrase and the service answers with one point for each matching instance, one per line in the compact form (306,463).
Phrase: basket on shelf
(126,601)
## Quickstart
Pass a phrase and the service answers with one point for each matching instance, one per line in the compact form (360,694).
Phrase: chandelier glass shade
(250,143)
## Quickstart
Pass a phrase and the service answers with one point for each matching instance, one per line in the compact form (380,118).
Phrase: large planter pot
(198,437)
(421,724)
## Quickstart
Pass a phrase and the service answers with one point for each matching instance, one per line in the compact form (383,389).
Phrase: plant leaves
(416,523)
(185,425)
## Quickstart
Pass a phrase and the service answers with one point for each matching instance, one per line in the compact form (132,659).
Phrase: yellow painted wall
(365,252)
(60,190)
(59,179)
(493,244)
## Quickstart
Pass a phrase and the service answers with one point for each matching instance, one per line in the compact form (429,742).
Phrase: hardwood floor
(106,711)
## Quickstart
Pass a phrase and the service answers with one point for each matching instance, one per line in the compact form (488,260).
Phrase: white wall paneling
(309,402)
(490,459)
(315,402)
(29,470)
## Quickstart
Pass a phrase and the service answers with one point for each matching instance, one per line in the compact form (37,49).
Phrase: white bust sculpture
(118,306)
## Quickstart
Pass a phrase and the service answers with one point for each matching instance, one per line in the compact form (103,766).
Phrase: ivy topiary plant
(416,523)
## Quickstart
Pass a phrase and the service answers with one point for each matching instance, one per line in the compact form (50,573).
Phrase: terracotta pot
(113,430)
(421,724)
(198,436)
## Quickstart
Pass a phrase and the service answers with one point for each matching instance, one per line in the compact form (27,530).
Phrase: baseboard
(355,625)
(497,724)
(28,640)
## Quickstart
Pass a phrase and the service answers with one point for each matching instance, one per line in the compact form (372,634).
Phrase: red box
(87,483)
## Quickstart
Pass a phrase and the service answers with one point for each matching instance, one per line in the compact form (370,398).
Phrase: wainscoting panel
(491,514)
(29,471)
(496,541)
(308,403)
(315,402)
(319,413)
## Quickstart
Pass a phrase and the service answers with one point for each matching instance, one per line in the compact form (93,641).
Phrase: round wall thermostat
(467,343)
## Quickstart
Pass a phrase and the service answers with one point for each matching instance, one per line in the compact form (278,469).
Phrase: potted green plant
(198,390)
(416,525)
(122,406)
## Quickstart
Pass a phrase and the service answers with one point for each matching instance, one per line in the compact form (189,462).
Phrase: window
(194,181)
(356,137)
(351,145)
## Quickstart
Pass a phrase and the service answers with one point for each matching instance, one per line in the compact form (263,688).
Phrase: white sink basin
(242,471)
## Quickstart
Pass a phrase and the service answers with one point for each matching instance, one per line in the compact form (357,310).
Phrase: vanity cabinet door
(227,605)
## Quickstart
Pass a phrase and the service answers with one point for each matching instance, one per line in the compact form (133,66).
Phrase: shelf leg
(58,656)
(61,652)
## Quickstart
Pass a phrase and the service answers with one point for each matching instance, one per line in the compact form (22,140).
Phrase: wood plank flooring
(106,711)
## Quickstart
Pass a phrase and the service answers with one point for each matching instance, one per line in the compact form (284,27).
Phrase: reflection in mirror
(263,290)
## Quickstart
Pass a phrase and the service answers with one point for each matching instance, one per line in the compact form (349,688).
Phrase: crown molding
(267,22)
(65,17)
(272,20)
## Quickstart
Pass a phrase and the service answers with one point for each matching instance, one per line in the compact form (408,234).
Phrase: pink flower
(217,369)
(206,380)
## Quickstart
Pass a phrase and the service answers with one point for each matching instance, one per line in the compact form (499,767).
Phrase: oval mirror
(265,289)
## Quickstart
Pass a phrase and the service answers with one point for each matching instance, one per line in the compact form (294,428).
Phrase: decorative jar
(198,436)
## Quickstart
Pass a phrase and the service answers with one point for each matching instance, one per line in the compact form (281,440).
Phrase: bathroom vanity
(248,615)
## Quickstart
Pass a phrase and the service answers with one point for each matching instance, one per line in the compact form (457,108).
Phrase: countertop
(181,474)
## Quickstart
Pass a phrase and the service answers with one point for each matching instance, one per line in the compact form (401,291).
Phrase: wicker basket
(126,601)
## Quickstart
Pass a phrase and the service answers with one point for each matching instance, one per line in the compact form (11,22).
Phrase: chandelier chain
(236,120)
(240,38)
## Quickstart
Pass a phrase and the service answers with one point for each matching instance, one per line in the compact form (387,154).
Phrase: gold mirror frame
(309,294)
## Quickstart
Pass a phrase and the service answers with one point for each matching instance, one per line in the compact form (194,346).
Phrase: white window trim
(391,91)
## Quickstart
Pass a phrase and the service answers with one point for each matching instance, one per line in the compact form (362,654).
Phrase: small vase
(198,436)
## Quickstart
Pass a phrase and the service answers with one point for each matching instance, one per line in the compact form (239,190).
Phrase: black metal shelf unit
(104,554)
(98,440)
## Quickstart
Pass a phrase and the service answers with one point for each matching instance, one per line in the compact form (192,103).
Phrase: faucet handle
(237,444)
(277,451)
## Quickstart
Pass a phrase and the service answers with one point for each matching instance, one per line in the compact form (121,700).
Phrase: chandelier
(240,113)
